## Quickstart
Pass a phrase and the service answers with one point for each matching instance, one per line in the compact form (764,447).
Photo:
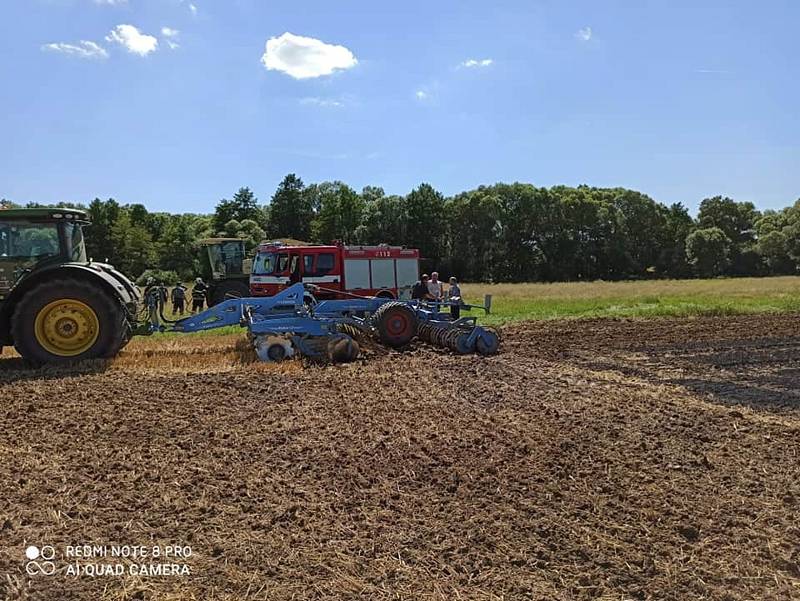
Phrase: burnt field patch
(589,459)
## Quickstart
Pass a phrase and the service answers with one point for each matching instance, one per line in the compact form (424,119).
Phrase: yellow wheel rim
(66,327)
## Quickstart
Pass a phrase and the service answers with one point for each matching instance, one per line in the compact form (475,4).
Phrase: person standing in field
(199,295)
(153,300)
(178,299)
(435,287)
(420,289)
(454,298)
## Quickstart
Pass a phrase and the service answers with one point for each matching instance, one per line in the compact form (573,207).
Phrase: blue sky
(170,102)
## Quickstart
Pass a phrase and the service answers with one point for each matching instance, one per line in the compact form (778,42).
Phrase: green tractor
(225,268)
(55,305)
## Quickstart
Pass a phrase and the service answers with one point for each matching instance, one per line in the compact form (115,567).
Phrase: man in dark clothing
(420,289)
(199,294)
(178,299)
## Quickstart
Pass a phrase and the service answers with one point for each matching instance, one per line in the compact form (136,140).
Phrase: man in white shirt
(435,287)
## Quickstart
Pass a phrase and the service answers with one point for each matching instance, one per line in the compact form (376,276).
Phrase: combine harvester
(287,325)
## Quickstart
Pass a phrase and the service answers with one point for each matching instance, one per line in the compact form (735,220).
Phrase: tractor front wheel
(68,320)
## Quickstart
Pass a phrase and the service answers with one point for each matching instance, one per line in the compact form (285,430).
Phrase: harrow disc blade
(462,343)
(488,342)
(272,348)
(342,349)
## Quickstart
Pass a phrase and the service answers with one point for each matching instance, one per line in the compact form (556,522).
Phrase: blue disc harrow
(292,323)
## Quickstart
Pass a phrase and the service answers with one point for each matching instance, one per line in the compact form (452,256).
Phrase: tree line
(503,233)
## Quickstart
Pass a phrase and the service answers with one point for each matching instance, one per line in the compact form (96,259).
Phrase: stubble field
(590,459)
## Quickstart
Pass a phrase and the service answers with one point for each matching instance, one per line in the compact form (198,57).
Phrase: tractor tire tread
(114,326)
(380,321)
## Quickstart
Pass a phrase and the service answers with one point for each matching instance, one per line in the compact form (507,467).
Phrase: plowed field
(588,460)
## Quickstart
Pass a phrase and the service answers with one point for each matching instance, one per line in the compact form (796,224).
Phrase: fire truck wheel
(396,324)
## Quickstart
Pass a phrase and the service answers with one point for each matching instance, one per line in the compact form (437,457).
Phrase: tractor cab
(223,257)
(32,238)
(225,268)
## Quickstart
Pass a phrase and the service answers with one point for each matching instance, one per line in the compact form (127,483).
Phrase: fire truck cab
(386,271)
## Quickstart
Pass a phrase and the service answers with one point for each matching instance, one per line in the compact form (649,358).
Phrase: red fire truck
(387,271)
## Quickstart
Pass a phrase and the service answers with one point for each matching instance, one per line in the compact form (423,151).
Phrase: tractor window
(33,241)
(74,234)
(226,258)
(232,256)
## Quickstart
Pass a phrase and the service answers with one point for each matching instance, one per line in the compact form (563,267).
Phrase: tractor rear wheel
(396,324)
(68,320)
(226,290)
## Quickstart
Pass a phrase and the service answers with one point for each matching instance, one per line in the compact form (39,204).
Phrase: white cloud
(472,63)
(321,102)
(83,49)
(134,40)
(584,34)
(171,36)
(421,95)
(302,58)
(111,2)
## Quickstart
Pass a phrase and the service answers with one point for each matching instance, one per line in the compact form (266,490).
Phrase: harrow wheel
(396,324)
(462,344)
(488,343)
(342,349)
(272,348)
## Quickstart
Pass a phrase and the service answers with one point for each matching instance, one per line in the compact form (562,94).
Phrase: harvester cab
(56,305)
(226,268)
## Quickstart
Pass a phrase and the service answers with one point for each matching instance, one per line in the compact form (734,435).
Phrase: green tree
(738,221)
(773,248)
(103,216)
(372,194)
(247,229)
(384,221)
(340,213)
(474,234)
(708,251)
(641,234)
(133,245)
(679,224)
(291,211)
(243,205)
(178,248)
(425,227)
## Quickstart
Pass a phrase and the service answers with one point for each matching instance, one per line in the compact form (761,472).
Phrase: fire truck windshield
(264,263)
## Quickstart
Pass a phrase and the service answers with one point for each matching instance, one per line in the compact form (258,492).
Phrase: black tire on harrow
(343,349)
(396,323)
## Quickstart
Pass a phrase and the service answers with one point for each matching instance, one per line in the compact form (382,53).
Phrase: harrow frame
(311,329)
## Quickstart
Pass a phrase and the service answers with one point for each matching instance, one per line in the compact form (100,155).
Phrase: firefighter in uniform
(199,294)
(178,299)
